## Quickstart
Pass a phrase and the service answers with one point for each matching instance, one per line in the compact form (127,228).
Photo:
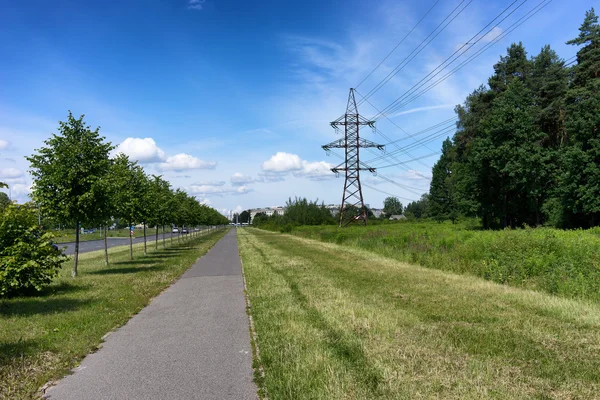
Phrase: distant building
(377,212)
(334,209)
(268,211)
(397,217)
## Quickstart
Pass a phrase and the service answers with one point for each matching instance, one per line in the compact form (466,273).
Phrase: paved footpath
(191,342)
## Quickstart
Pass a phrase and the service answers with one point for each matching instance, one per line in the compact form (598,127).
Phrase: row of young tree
(77,183)
(527,148)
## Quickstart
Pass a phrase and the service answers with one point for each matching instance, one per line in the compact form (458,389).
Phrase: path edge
(257,366)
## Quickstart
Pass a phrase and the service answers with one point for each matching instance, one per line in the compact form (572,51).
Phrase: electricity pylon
(352,208)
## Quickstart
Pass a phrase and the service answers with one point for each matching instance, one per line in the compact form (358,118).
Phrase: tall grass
(564,263)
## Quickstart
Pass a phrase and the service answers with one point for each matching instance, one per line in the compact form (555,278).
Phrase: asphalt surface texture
(191,342)
(93,245)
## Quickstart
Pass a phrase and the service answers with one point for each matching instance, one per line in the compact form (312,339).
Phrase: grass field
(336,322)
(43,337)
(565,263)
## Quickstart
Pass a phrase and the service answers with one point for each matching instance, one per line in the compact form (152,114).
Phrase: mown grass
(42,337)
(336,322)
(564,263)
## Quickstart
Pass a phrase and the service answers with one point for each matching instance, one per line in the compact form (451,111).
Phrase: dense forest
(527,147)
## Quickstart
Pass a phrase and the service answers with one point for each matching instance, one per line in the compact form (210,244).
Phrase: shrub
(287,228)
(28,260)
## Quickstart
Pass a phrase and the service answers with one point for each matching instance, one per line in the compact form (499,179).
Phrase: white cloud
(4,144)
(182,161)
(20,190)
(195,4)
(282,162)
(239,179)
(492,35)
(243,190)
(143,150)
(316,171)
(11,173)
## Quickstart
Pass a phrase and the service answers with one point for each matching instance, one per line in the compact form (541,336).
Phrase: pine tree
(442,205)
(580,183)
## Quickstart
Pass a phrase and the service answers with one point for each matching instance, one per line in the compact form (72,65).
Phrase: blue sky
(231,100)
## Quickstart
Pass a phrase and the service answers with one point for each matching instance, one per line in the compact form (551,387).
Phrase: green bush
(287,228)
(28,261)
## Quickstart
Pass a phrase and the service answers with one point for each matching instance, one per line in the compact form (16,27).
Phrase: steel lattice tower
(352,208)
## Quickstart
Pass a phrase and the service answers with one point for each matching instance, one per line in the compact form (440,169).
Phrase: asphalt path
(92,245)
(191,342)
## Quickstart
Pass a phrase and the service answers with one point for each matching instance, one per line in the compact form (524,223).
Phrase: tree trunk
(145,248)
(105,246)
(171,236)
(130,243)
(156,241)
(76,256)
(178,235)
(164,245)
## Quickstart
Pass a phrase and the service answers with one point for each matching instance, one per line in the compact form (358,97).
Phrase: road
(92,245)
(191,342)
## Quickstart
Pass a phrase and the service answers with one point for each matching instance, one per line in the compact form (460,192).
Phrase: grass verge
(43,337)
(335,322)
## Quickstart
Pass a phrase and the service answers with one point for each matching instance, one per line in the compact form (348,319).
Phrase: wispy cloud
(195,4)
(209,190)
(420,109)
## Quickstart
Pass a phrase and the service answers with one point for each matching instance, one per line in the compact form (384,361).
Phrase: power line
(414,159)
(389,180)
(451,59)
(395,143)
(427,139)
(449,122)
(509,30)
(397,45)
(389,194)
(410,57)
(400,185)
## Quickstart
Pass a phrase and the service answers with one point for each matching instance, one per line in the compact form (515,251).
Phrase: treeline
(527,148)
(77,183)
(299,211)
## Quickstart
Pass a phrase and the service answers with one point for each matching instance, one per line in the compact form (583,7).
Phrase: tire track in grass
(352,353)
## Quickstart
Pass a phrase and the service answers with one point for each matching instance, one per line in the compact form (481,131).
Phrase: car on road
(175,230)
(184,230)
